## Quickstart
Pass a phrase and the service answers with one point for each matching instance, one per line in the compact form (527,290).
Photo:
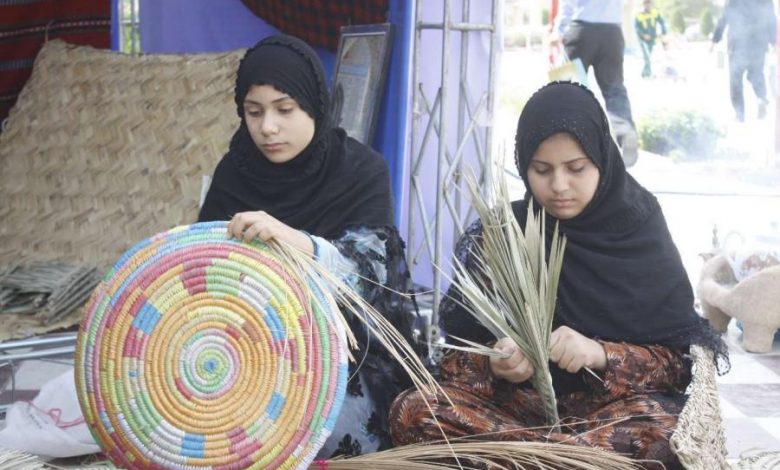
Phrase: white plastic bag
(50,426)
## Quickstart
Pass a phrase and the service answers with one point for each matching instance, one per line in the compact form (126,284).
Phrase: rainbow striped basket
(198,351)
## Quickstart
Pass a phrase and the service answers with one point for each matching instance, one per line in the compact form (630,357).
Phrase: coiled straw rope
(198,351)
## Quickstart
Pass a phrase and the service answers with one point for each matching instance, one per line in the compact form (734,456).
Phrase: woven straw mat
(699,440)
(104,149)
(199,351)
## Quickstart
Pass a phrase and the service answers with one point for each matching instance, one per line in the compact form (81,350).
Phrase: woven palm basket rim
(155,321)
(699,440)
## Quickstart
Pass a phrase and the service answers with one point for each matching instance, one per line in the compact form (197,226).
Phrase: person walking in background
(646,24)
(591,31)
(752,28)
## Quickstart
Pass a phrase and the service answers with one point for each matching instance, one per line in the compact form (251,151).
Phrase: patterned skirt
(638,425)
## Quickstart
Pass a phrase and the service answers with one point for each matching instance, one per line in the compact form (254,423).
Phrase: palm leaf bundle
(17,460)
(499,455)
(513,288)
(375,322)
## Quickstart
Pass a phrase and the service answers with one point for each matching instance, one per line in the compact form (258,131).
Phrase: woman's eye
(541,171)
(253,113)
(577,169)
(285,110)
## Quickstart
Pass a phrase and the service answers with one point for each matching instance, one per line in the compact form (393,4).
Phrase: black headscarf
(334,183)
(622,276)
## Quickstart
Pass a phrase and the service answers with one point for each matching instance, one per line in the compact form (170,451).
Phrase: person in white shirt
(591,31)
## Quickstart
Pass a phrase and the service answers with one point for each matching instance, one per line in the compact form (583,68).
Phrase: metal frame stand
(471,114)
(44,347)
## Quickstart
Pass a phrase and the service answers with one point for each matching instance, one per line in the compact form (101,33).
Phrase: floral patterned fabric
(631,409)
(367,259)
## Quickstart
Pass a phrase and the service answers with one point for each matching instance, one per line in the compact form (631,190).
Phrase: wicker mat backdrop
(104,149)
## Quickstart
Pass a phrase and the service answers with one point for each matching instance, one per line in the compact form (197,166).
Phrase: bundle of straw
(499,455)
(17,460)
(379,326)
(512,289)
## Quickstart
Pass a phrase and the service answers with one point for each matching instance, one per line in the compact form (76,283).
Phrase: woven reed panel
(105,149)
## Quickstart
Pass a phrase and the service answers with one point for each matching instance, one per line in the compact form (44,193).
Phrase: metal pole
(491,98)
(415,157)
(9,358)
(464,62)
(35,342)
(440,171)
(458,26)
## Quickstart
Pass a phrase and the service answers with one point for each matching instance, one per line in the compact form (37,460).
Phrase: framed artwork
(359,78)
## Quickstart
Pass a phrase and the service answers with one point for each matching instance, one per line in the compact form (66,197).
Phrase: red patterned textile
(318,22)
(26,24)
(632,410)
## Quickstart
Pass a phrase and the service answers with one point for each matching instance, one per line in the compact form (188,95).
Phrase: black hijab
(622,277)
(334,183)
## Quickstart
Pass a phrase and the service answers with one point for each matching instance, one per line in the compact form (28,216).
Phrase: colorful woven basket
(198,351)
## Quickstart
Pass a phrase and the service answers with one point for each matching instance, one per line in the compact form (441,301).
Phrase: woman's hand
(573,351)
(515,368)
(248,225)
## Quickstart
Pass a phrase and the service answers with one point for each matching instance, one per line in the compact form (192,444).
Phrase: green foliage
(707,23)
(678,21)
(688,8)
(684,134)
(545,16)
(131,40)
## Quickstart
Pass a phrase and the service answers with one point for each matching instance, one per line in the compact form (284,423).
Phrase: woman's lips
(562,203)
(273,147)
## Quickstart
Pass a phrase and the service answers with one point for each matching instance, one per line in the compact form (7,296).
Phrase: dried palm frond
(513,291)
(499,455)
(16,460)
(375,322)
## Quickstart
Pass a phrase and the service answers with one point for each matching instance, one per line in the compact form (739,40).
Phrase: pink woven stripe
(236,435)
(182,388)
(194,279)
(131,346)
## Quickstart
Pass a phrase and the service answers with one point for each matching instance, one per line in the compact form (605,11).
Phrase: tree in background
(707,23)
(678,22)
(688,8)
(678,10)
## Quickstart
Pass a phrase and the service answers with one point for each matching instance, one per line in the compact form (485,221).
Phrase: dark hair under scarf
(334,183)
(622,277)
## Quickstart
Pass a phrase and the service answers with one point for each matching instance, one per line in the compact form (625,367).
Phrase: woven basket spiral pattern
(198,351)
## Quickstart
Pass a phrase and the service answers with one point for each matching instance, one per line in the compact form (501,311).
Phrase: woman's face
(278,126)
(562,177)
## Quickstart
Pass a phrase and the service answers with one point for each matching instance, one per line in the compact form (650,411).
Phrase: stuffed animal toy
(748,291)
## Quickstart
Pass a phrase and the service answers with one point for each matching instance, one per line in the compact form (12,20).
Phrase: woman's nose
(269,126)
(560,182)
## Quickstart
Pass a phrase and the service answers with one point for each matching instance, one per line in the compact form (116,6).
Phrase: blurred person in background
(752,29)
(646,24)
(591,30)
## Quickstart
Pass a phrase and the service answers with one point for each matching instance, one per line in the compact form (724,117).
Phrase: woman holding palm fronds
(293,176)
(624,319)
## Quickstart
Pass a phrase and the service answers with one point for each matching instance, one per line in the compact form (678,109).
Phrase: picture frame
(359,77)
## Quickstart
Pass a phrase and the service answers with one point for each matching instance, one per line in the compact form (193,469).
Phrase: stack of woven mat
(101,150)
